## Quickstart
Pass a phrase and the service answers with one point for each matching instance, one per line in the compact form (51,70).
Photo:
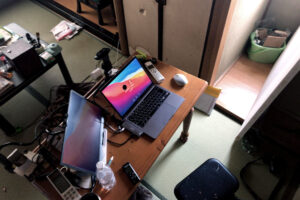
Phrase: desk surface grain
(142,152)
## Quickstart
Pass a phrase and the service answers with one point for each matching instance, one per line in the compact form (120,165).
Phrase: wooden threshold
(91,14)
(241,85)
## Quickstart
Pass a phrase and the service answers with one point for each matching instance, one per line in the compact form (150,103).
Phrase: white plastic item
(96,73)
(157,76)
(105,176)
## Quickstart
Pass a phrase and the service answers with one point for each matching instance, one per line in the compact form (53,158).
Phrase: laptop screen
(81,147)
(127,87)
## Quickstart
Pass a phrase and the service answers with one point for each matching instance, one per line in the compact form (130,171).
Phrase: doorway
(240,86)
(240,78)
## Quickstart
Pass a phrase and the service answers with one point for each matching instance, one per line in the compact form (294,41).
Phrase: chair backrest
(211,180)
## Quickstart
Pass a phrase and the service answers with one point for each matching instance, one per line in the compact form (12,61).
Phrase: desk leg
(100,18)
(78,6)
(186,125)
(64,70)
(37,95)
(6,126)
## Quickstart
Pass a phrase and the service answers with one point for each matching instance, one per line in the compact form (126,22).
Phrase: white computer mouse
(180,79)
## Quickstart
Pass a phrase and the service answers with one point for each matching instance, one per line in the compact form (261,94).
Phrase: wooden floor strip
(241,85)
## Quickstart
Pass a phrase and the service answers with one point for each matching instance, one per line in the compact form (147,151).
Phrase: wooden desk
(142,152)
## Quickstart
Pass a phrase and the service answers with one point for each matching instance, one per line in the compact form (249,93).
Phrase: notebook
(143,106)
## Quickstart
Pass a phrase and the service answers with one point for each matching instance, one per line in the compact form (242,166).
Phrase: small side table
(21,83)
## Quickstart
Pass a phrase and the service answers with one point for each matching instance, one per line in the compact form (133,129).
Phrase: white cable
(117,57)
(117,51)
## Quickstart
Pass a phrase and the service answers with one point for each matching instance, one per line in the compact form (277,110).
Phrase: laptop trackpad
(159,120)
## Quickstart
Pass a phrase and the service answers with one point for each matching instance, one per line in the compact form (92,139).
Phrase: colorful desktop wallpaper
(82,135)
(127,87)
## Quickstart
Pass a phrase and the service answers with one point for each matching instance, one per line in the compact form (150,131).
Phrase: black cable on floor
(276,189)
(37,136)
(242,175)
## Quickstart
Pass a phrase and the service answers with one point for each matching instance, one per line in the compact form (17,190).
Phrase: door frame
(220,19)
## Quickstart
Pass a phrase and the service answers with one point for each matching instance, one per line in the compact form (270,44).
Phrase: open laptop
(143,106)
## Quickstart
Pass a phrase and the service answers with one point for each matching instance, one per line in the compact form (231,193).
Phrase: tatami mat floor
(209,136)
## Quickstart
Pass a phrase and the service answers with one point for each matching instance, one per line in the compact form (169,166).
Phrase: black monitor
(83,135)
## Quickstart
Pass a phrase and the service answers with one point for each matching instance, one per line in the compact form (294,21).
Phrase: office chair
(98,5)
(211,180)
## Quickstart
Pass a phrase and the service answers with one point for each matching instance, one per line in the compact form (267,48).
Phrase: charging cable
(120,144)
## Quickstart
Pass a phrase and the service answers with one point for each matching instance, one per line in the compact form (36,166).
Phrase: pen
(110,161)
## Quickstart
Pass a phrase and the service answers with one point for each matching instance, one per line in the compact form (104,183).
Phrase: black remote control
(130,172)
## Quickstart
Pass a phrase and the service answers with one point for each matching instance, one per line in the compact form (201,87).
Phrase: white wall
(286,13)
(141,25)
(185,27)
(246,14)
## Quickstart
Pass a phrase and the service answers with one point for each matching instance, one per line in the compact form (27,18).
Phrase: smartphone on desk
(62,185)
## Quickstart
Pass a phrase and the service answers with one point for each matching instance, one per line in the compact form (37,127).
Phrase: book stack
(207,100)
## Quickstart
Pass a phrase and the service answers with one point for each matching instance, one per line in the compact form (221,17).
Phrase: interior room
(234,67)
(252,127)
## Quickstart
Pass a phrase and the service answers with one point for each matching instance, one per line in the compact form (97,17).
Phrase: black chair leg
(100,19)
(78,6)
(113,13)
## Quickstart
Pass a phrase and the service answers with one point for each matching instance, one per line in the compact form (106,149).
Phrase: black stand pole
(161,4)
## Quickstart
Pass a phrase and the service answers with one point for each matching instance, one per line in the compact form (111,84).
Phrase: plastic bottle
(105,176)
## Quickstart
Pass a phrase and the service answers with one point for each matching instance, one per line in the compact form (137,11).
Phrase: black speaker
(23,57)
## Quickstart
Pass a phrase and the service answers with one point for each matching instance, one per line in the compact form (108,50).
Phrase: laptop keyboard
(148,106)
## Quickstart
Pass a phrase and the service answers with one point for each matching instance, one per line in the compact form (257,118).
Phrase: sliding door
(184,30)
